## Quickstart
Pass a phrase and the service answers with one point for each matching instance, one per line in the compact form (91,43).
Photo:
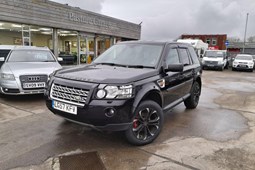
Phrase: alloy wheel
(146,124)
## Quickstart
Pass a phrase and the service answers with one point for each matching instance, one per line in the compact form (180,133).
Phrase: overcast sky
(168,19)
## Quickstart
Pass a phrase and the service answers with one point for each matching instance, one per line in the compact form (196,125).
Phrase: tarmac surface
(219,134)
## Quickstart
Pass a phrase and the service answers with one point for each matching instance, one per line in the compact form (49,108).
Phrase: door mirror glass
(174,68)
(2,58)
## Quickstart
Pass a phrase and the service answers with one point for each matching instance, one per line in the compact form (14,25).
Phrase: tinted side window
(194,55)
(172,57)
(184,56)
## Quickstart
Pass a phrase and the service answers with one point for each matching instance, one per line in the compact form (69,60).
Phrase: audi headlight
(112,92)
(5,76)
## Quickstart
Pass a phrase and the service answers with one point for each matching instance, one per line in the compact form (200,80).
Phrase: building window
(214,41)
(67,46)
(21,34)
(208,41)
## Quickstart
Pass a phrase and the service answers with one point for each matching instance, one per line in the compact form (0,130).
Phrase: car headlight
(203,61)
(220,62)
(112,92)
(5,76)
(51,75)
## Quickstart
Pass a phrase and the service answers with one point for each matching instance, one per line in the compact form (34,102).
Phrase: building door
(86,51)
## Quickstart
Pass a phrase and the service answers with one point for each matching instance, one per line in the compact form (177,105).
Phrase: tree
(234,39)
(251,39)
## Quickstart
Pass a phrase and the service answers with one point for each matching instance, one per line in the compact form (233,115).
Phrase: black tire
(147,123)
(233,69)
(2,95)
(221,68)
(192,101)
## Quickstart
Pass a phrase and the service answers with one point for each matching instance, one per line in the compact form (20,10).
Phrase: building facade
(215,41)
(235,48)
(64,29)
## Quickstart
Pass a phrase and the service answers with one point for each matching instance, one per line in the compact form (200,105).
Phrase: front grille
(70,95)
(242,63)
(211,62)
(33,79)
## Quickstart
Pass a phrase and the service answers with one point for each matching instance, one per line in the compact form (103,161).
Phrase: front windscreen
(31,56)
(244,57)
(145,55)
(214,54)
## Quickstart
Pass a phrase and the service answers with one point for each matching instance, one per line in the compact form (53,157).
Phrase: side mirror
(174,68)
(2,58)
(60,59)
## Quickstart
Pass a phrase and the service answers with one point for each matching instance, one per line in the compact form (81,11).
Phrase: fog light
(110,112)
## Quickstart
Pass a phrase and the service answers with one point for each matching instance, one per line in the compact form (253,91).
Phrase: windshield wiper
(112,64)
(140,66)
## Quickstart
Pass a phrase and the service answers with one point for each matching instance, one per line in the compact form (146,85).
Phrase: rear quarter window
(193,55)
(184,56)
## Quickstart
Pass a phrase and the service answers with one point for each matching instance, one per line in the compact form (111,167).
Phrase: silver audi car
(25,70)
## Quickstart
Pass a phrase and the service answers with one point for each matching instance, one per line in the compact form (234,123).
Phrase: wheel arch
(148,93)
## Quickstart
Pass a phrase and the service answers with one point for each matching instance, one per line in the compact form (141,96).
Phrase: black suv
(127,88)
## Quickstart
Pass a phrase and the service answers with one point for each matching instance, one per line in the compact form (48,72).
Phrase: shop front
(76,35)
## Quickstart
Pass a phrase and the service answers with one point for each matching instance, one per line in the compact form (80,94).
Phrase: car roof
(7,47)
(30,48)
(248,55)
(153,42)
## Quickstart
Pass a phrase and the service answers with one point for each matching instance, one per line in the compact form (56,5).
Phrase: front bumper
(242,67)
(13,87)
(217,66)
(94,114)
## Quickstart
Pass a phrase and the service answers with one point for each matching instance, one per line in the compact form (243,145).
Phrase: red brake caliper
(135,124)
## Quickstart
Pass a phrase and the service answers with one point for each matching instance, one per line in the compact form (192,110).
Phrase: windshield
(214,54)
(31,56)
(142,55)
(244,57)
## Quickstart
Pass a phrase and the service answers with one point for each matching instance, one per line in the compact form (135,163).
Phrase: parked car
(243,62)
(26,69)
(4,51)
(215,59)
(127,88)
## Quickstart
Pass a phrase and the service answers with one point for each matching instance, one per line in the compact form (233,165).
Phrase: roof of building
(240,45)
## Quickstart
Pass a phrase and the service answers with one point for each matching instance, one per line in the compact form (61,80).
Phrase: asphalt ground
(219,134)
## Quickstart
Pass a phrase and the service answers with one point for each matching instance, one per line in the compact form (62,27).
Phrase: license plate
(64,107)
(242,65)
(33,85)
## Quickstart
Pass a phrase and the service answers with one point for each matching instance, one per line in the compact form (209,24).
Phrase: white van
(216,59)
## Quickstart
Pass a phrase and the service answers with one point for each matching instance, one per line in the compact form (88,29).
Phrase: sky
(168,19)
